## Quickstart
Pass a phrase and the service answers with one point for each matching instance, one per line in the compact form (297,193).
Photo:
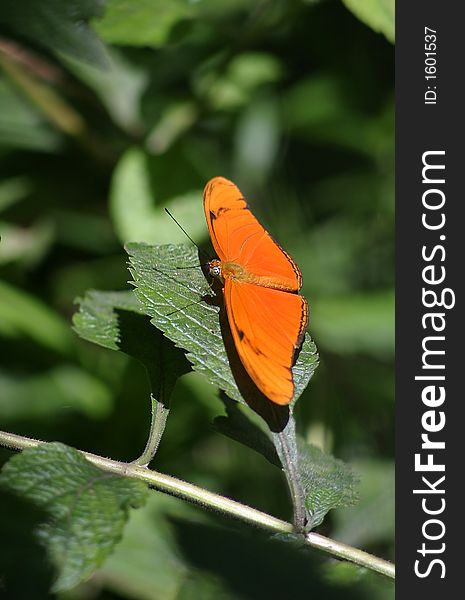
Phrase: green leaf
(22,315)
(152,22)
(116,320)
(22,125)
(134,209)
(13,190)
(148,564)
(53,392)
(377,14)
(174,121)
(25,245)
(257,142)
(238,85)
(87,507)
(173,290)
(59,26)
(328,483)
(142,23)
(98,321)
(119,87)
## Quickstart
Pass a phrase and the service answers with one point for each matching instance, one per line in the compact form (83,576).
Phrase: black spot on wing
(248,342)
(221,211)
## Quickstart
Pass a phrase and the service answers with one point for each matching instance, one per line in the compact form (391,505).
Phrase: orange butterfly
(266,315)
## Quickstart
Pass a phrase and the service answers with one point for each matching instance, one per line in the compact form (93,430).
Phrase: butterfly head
(214,269)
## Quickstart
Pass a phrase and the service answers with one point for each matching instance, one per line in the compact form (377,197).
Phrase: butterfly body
(267,316)
(239,273)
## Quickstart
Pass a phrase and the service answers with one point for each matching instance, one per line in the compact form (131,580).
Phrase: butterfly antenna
(187,235)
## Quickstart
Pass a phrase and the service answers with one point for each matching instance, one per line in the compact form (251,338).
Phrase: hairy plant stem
(192,493)
(157,426)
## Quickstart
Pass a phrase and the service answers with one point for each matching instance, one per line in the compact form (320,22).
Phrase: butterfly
(266,315)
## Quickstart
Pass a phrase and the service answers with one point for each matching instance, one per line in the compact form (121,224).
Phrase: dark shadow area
(25,573)
(140,338)
(164,362)
(255,566)
(237,426)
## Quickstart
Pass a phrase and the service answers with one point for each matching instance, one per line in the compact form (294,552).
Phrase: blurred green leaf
(99,237)
(25,245)
(330,272)
(234,87)
(12,191)
(22,124)
(352,576)
(64,388)
(119,87)
(88,507)
(328,482)
(356,323)
(367,192)
(134,210)
(174,292)
(142,23)
(254,69)
(175,120)
(372,520)
(59,26)
(147,564)
(257,142)
(319,110)
(116,320)
(377,14)
(107,272)
(346,254)
(152,22)
(314,100)
(23,315)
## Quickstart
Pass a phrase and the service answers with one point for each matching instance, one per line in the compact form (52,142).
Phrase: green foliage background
(102,126)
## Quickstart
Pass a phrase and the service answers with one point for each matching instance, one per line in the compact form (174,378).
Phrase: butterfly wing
(268,326)
(237,236)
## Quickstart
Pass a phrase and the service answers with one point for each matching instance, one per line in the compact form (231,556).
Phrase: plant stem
(157,426)
(192,493)
(286,446)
